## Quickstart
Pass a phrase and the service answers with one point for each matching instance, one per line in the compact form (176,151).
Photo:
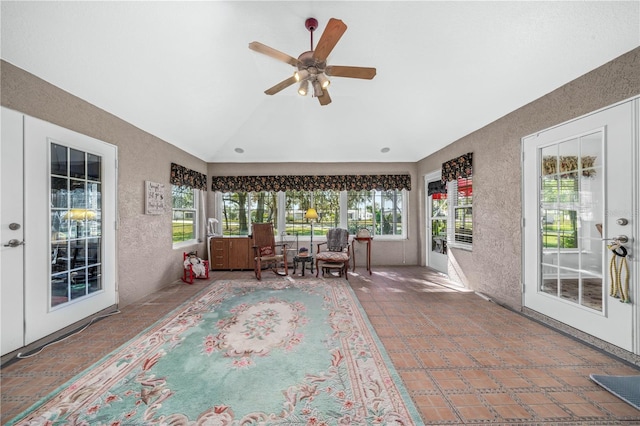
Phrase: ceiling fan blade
(351,72)
(324,99)
(276,54)
(282,85)
(329,38)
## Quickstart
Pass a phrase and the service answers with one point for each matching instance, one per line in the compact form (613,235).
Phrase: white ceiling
(182,71)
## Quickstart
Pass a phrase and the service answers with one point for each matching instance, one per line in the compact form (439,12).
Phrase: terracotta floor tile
(549,412)
(403,360)
(431,401)
(585,410)
(431,359)
(417,381)
(393,343)
(486,359)
(437,415)
(512,412)
(475,413)
(621,409)
(459,359)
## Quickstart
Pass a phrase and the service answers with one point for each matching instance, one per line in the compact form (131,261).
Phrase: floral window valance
(568,164)
(186,177)
(310,183)
(437,187)
(461,167)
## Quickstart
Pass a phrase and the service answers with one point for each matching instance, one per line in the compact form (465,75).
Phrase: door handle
(14,243)
(622,239)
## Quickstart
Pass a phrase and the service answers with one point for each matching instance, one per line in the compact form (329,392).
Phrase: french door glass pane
(571,214)
(439,212)
(76,224)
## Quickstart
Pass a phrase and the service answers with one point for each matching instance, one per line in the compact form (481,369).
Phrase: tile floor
(464,360)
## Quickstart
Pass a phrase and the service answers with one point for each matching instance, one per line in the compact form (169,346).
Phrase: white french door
(68,182)
(580,190)
(436,227)
(11,232)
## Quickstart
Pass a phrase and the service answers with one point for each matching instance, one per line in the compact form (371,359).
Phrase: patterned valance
(186,177)
(437,187)
(461,167)
(568,164)
(310,183)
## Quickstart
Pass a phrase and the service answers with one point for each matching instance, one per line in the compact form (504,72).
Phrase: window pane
(184,213)
(359,211)
(183,225)
(463,225)
(297,204)
(234,213)
(264,208)
(327,204)
(76,163)
(388,212)
(93,167)
(58,160)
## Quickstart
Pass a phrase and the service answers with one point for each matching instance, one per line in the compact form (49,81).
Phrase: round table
(302,259)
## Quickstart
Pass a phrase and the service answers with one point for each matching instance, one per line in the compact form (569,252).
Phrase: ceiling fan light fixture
(324,81)
(317,88)
(304,88)
(301,75)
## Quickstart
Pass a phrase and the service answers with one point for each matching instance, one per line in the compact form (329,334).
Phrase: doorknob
(622,239)
(14,243)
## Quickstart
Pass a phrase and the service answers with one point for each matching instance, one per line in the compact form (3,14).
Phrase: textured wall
(402,252)
(494,265)
(146,259)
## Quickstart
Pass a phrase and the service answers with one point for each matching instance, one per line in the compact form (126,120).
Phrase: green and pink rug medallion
(243,352)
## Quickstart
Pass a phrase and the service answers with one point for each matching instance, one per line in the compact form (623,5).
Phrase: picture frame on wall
(154,196)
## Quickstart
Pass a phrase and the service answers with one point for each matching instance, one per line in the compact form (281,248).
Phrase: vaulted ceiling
(183,72)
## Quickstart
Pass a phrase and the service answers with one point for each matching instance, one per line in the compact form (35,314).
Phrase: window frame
(196,220)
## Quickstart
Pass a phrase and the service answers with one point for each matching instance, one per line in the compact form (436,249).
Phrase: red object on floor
(187,271)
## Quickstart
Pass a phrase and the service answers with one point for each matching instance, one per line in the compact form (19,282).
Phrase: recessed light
(239,150)
(385,150)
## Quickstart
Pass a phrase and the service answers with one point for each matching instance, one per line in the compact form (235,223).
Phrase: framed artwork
(154,197)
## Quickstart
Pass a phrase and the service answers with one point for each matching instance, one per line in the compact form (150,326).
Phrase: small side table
(368,241)
(303,260)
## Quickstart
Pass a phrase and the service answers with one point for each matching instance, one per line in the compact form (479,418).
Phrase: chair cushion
(333,256)
(268,258)
(266,251)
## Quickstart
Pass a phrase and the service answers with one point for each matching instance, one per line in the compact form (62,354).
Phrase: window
(185,214)
(379,211)
(461,212)
(382,212)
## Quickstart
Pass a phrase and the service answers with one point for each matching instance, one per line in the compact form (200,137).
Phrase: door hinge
(522,222)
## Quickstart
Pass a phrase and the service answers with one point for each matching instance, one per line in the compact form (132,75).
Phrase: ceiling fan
(312,66)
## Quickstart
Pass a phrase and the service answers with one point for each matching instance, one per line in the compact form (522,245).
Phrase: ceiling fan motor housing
(312,65)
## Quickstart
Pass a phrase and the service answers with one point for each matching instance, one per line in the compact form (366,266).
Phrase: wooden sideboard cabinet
(231,253)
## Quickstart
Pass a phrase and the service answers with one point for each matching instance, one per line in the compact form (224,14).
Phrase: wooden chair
(188,272)
(266,250)
(336,250)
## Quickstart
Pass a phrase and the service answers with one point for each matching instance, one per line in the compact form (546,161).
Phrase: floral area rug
(243,352)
